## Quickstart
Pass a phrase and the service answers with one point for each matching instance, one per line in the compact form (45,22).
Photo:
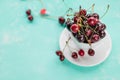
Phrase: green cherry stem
(72,48)
(66,43)
(105,11)
(91,7)
(42,3)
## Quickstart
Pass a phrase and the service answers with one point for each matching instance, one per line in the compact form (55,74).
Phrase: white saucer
(101,52)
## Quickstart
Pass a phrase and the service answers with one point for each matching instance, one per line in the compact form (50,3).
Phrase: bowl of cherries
(87,31)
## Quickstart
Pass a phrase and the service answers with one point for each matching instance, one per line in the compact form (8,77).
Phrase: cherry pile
(86,28)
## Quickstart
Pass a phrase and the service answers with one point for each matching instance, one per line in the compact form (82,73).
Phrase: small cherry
(30,18)
(91,52)
(83,12)
(61,57)
(59,53)
(61,20)
(74,55)
(95,38)
(92,21)
(75,28)
(81,52)
(28,12)
(43,11)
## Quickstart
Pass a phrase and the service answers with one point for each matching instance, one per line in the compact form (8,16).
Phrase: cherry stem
(91,7)
(65,3)
(50,17)
(80,8)
(66,43)
(71,48)
(66,13)
(105,11)
(42,3)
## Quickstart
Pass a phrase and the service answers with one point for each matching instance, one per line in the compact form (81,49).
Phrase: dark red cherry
(74,55)
(59,53)
(81,52)
(61,20)
(91,52)
(61,57)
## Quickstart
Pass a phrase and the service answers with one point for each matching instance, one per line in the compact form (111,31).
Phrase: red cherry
(95,38)
(59,53)
(74,55)
(91,52)
(88,32)
(28,12)
(30,18)
(61,20)
(81,52)
(61,58)
(92,21)
(43,11)
(75,28)
(83,12)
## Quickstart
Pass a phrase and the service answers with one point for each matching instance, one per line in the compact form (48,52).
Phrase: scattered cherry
(74,55)
(61,57)
(91,52)
(61,20)
(75,28)
(30,18)
(81,52)
(59,53)
(43,11)
(28,12)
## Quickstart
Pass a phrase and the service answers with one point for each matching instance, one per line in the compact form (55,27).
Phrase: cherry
(88,32)
(69,24)
(61,20)
(75,19)
(74,55)
(30,18)
(92,21)
(80,38)
(95,15)
(59,53)
(81,52)
(75,28)
(28,12)
(83,12)
(95,38)
(102,34)
(61,58)
(100,26)
(43,11)
(91,52)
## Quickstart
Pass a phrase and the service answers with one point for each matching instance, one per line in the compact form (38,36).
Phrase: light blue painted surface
(27,50)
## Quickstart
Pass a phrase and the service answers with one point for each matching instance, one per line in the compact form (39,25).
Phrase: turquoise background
(27,49)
